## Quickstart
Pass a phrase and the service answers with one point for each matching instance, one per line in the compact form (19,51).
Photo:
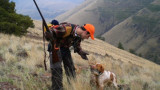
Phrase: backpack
(69,28)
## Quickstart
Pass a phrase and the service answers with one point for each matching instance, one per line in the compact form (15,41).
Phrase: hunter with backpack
(62,37)
(67,35)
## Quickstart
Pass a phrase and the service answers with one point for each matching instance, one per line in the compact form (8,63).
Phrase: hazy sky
(49,8)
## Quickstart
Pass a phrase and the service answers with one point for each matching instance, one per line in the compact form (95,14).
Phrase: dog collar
(98,72)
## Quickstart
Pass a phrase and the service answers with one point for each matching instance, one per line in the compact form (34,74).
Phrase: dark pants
(56,69)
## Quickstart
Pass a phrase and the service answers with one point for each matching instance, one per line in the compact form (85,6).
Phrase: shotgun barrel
(44,22)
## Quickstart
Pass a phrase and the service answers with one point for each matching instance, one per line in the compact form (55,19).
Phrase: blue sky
(49,8)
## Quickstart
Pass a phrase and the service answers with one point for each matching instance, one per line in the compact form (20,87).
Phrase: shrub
(132,51)
(101,38)
(11,22)
(120,46)
(140,55)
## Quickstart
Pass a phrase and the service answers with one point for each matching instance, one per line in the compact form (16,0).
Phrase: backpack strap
(49,25)
(70,28)
(73,28)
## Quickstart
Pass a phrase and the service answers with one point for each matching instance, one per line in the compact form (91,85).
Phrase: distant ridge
(104,14)
(134,23)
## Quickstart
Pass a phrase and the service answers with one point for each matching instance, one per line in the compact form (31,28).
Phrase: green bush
(11,22)
(132,51)
(153,57)
(101,38)
(120,46)
(8,6)
(140,55)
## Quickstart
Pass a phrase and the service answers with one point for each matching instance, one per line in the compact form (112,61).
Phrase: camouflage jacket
(66,36)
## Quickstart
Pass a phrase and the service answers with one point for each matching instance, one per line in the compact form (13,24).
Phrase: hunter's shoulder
(68,24)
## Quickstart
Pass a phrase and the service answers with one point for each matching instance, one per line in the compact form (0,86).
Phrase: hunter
(53,23)
(66,35)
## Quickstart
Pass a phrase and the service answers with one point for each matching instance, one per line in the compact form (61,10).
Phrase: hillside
(139,32)
(104,14)
(134,23)
(21,64)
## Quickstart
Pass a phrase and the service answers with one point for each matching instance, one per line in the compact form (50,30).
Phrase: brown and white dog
(101,77)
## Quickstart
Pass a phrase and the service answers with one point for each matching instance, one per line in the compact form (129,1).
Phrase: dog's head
(97,69)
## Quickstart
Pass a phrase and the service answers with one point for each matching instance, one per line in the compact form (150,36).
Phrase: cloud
(48,7)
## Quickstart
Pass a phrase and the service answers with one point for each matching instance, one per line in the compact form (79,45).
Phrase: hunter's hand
(83,55)
(48,35)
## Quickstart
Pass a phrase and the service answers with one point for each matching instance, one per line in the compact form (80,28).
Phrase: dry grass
(23,65)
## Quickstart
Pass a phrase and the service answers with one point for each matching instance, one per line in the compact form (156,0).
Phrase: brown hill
(139,32)
(104,14)
(134,23)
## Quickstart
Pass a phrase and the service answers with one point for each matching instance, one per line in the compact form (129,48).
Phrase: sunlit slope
(21,64)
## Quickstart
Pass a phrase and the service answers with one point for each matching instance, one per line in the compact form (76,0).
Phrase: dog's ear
(102,68)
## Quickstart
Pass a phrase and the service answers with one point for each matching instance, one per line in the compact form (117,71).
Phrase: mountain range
(133,23)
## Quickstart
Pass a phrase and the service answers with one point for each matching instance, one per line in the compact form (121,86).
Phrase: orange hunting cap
(91,29)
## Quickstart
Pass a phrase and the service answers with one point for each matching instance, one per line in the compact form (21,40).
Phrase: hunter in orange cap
(89,30)
(66,35)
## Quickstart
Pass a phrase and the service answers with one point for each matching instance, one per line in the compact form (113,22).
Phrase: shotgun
(55,56)
(44,22)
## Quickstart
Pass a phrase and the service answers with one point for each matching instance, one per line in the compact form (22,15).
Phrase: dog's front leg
(115,83)
(101,87)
